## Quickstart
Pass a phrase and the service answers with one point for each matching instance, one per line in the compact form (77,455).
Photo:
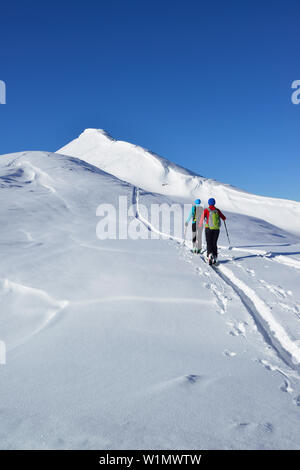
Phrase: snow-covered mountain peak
(99,133)
(153,173)
(132,163)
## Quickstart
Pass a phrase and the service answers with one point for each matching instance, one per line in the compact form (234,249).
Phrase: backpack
(195,213)
(214,221)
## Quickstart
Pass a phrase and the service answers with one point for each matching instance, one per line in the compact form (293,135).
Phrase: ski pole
(227,234)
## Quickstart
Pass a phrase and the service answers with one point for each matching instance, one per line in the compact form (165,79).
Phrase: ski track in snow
(290,262)
(273,256)
(278,292)
(272,331)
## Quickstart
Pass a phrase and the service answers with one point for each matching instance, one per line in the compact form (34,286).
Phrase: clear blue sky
(204,84)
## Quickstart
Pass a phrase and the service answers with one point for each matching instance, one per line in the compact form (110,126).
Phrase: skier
(212,215)
(196,214)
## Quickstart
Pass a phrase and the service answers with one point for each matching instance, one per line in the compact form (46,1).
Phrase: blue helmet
(211,201)
(198,201)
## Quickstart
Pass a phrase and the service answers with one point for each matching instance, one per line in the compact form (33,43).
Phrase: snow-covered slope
(153,173)
(137,343)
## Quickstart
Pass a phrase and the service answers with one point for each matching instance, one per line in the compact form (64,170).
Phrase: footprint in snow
(251,272)
(265,427)
(221,299)
(192,378)
(181,381)
(243,425)
(286,387)
(229,353)
(238,330)
(291,308)
(297,400)
(278,291)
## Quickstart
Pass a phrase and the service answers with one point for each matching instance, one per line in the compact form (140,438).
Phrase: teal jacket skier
(195,214)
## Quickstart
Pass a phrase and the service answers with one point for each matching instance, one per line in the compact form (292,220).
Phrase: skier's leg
(199,238)
(215,243)
(208,236)
(194,235)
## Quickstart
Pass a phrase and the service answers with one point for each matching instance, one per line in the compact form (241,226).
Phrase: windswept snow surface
(137,343)
(153,173)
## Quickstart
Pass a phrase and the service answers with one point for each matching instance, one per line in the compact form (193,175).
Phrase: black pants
(211,241)
(196,236)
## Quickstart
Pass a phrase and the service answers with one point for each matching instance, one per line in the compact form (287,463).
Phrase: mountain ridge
(151,172)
